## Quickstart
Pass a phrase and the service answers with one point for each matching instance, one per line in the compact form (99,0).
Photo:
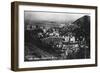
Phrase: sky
(51,19)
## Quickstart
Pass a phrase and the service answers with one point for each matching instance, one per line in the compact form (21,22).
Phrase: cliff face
(84,23)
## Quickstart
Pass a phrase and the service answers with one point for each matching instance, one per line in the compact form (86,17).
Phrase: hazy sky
(52,16)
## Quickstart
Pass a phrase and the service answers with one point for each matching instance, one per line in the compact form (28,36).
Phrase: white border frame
(34,64)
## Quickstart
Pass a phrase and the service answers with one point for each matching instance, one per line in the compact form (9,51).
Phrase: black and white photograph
(56,35)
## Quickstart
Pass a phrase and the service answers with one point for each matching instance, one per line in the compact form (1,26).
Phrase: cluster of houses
(63,44)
